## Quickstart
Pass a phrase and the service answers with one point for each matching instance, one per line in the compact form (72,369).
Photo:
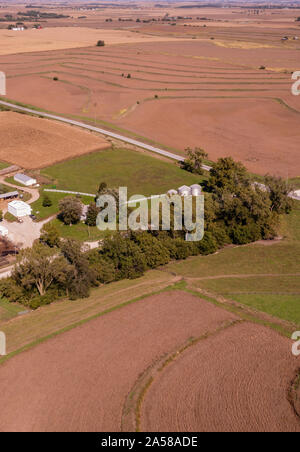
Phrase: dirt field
(80,380)
(195,92)
(34,143)
(235,381)
(12,42)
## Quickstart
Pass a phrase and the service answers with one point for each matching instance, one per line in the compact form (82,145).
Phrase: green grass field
(9,310)
(79,231)
(263,270)
(5,188)
(3,165)
(42,212)
(142,174)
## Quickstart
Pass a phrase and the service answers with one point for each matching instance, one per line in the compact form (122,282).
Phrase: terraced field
(182,93)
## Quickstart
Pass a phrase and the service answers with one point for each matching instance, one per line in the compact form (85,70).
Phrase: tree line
(237,211)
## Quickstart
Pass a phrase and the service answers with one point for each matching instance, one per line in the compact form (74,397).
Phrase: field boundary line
(169,286)
(131,413)
(250,314)
(104,132)
(246,275)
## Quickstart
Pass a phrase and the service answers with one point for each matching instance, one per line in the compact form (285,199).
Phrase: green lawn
(279,296)
(9,310)
(142,174)
(285,284)
(286,307)
(276,295)
(5,188)
(44,212)
(79,231)
(4,165)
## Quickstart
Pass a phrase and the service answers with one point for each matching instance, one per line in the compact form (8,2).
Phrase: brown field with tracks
(31,142)
(206,359)
(190,91)
(235,381)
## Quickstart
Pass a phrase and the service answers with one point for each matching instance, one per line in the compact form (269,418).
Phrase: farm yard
(142,174)
(226,98)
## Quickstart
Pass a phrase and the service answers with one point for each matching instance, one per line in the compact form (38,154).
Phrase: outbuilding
(19,208)
(196,190)
(172,192)
(24,180)
(184,190)
(3,231)
(9,195)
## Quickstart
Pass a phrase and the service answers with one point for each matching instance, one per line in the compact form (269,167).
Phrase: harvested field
(12,42)
(237,380)
(32,142)
(235,377)
(79,380)
(200,92)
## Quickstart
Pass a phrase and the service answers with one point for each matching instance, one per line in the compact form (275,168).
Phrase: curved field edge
(131,415)
(293,393)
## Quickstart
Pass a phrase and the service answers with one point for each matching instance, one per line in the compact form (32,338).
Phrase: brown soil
(209,93)
(12,42)
(235,381)
(32,142)
(79,380)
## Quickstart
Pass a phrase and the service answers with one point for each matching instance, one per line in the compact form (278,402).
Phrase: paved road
(107,133)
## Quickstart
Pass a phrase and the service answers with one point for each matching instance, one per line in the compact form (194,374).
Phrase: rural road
(107,133)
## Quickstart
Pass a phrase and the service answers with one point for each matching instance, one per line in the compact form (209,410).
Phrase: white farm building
(19,208)
(25,180)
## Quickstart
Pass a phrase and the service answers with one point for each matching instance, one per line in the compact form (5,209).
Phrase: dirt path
(246,275)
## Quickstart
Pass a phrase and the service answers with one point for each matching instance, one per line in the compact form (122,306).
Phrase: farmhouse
(9,195)
(3,231)
(25,180)
(19,208)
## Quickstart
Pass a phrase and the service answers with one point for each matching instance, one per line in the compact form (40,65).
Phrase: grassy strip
(164,362)
(4,165)
(249,315)
(75,325)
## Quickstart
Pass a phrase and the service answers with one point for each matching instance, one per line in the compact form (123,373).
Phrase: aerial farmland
(138,329)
